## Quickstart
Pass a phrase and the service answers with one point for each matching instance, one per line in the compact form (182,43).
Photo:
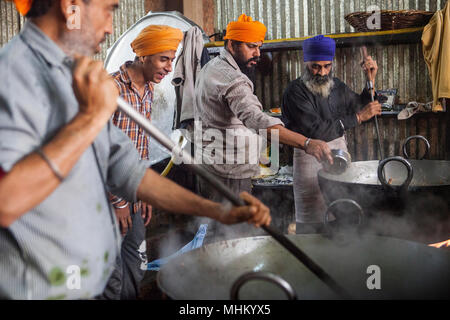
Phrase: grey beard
(74,45)
(318,87)
(80,42)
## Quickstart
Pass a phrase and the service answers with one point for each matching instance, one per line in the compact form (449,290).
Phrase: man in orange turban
(246,30)
(243,39)
(155,49)
(155,38)
(225,102)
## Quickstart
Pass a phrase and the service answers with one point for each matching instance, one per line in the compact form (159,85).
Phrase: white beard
(320,90)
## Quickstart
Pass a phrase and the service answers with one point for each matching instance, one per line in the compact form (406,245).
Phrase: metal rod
(370,87)
(378,137)
(235,200)
(375,118)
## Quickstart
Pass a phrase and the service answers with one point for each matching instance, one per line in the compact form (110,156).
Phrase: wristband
(52,166)
(121,207)
(307,142)
(116,201)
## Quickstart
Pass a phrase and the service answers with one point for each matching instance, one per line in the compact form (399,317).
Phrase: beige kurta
(309,203)
(436,51)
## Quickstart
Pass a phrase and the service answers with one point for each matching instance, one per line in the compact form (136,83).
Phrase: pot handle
(350,201)
(408,166)
(427,145)
(261,275)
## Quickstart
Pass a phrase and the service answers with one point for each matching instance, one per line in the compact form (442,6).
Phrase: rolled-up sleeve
(246,106)
(354,103)
(125,170)
(18,130)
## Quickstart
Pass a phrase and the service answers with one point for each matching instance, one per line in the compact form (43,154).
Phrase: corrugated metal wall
(362,141)
(10,22)
(129,12)
(400,66)
(299,18)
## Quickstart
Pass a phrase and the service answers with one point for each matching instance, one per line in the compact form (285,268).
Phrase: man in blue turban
(319,106)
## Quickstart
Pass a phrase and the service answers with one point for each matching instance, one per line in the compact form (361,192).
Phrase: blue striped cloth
(197,242)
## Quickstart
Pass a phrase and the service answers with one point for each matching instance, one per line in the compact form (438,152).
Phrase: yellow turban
(23,6)
(155,39)
(246,30)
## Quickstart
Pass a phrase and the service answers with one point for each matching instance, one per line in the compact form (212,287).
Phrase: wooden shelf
(400,36)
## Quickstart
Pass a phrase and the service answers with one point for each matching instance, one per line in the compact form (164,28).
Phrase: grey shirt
(225,101)
(74,229)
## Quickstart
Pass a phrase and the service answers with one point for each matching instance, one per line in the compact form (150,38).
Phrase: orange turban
(246,30)
(155,39)
(23,6)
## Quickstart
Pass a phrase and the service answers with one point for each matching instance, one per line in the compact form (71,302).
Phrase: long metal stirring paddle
(235,200)
(371,89)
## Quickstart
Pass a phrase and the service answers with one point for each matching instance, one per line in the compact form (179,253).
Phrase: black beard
(248,71)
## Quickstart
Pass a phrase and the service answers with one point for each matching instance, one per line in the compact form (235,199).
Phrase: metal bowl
(341,161)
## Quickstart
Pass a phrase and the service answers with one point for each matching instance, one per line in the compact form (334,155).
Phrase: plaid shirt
(143,105)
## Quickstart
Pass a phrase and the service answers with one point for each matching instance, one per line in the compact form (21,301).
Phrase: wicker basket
(390,20)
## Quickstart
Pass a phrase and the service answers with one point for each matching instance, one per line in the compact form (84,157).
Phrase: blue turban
(319,48)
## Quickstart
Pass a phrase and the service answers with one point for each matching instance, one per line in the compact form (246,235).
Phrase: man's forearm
(31,180)
(164,194)
(289,137)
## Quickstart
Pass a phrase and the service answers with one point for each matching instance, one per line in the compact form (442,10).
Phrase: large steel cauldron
(418,191)
(407,270)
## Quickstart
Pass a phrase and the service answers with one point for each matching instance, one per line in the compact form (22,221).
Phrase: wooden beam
(174,5)
(209,16)
(193,10)
(401,36)
(155,5)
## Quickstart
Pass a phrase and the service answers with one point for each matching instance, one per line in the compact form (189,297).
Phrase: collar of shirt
(225,55)
(46,47)
(125,78)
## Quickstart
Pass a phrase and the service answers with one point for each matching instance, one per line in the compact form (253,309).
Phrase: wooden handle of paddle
(364,52)
(365,55)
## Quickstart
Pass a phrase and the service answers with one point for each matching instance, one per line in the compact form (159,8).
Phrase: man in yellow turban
(225,102)
(155,49)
